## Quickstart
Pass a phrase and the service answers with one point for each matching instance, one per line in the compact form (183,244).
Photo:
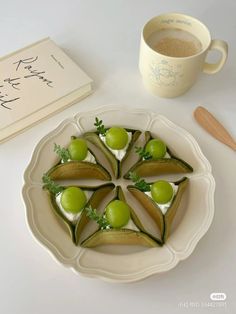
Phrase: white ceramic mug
(172,76)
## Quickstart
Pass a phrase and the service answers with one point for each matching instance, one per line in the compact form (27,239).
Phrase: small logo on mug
(164,74)
(218,296)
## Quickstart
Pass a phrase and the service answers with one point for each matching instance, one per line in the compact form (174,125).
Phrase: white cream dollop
(131,225)
(88,158)
(70,216)
(164,207)
(119,153)
(167,155)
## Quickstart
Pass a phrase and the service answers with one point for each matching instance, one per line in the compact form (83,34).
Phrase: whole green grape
(117,213)
(156,148)
(116,138)
(78,149)
(162,191)
(73,199)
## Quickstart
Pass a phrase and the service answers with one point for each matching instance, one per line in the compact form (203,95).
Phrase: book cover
(36,82)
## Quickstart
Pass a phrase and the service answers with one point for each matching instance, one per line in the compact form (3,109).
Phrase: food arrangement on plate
(118,223)
(120,230)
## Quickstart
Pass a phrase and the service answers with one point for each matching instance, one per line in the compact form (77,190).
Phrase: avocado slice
(116,164)
(163,222)
(75,229)
(122,236)
(150,167)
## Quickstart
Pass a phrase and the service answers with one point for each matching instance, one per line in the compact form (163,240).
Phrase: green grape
(73,199)
(156,148)
(117,214)
(78,149)
(116,138)
(162,191)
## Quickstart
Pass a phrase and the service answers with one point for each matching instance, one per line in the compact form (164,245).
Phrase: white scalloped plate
(122,266)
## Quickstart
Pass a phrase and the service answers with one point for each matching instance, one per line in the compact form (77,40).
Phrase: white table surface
(103,37)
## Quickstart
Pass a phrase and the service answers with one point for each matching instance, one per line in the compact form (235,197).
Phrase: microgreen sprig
(51,185)
(142,153)
(63,153)
(100,127)
(99,218)
(141,184)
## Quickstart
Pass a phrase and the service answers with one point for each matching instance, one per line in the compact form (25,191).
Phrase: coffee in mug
(173,51)
(175,43)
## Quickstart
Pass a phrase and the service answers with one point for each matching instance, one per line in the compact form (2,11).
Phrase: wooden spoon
(214,127)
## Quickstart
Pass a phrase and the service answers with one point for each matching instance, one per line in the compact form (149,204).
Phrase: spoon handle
(214,127)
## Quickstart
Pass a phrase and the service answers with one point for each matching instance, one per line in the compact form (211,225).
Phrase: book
(35,82)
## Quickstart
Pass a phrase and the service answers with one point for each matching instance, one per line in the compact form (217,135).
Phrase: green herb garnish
(141,184)
(99,218)
(63,153)
(142,153)
(100,127)
(51,185)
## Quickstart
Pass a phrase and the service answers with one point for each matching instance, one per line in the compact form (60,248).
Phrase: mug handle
(222,46)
